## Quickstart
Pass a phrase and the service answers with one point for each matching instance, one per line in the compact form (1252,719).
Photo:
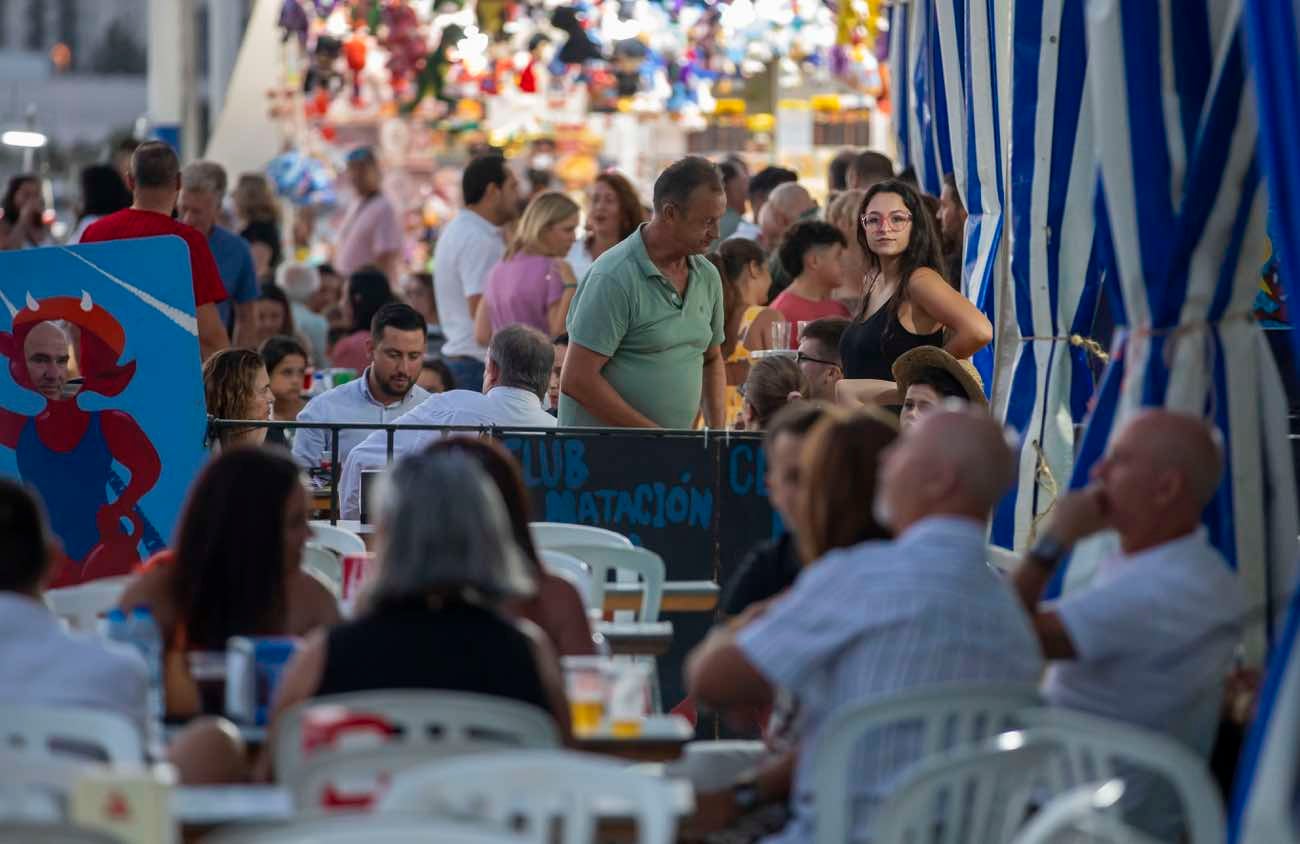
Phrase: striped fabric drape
(1262,807)
(1055,268)
(919,108)
(1175,127)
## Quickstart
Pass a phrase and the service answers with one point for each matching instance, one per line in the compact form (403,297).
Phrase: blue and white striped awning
(1266,803)
(1115,144)
(1175,129)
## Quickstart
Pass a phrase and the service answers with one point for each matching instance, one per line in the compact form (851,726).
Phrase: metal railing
(217,426)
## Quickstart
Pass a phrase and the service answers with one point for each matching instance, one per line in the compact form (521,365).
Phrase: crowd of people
(732,301)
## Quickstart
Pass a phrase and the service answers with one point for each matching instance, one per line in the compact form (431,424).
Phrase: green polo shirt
(626,310)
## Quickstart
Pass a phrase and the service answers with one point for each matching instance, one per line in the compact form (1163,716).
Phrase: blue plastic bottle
(143,633)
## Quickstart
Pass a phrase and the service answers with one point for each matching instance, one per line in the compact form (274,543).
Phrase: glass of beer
(586,686)
(629,697)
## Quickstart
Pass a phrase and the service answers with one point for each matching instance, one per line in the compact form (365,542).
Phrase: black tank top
(867,350)
(459,647)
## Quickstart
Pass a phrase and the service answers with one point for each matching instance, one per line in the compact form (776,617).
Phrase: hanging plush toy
(431,79)
(322,76)
(293,22)
(580,47)
(354,50)
(529,80)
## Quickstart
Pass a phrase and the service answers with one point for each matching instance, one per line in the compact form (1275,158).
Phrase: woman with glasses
(907,303)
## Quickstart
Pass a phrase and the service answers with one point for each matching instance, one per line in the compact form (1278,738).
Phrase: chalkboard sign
(698,501)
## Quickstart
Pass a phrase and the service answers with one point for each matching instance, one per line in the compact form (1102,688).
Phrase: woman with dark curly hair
(614,213)
(907,302)
(236,386)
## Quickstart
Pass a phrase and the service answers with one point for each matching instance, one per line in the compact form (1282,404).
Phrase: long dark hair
(229,575)
(923,248)
(368,291)
(103,191)
(11,209)
(501,467)
(731,259)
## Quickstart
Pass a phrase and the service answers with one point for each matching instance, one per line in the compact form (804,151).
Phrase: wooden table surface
(635,638)
(679,596)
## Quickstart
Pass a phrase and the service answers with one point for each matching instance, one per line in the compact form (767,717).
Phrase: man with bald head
(1151,638)
(867,623)
(47,351)
(788,204)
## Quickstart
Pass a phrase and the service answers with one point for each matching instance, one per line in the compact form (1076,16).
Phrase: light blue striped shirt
(878,619)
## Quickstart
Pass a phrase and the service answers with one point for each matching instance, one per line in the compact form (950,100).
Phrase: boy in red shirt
(811,252)
(155,182)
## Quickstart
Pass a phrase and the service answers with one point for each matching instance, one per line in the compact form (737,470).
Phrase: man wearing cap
(927,376)
(371,233)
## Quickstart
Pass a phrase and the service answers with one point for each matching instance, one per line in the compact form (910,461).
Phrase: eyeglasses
(802,358)
(897,220)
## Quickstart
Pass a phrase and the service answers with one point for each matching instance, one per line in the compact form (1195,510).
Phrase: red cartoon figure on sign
(68,453)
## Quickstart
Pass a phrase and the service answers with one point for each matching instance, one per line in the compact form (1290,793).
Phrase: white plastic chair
(83,604)
(324,565)
(1093,749)
(555,535)
(531,790)
(646,565)
(52,732)
(942,717)
(37,790)
(371,829)
(337,539)
(325,550)
(970,795)
(1083,815)
(569,567)
(425,725)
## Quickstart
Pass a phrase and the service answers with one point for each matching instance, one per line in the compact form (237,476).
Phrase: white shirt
(466,250)
(579,259)
(747,230)
(350,402)
(880,618)
(1154,633)
(501,406)
(42,663)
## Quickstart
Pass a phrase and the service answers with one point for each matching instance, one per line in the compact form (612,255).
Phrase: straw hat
(908,368)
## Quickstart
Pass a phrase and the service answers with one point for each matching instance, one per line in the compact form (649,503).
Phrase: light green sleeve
(600,314)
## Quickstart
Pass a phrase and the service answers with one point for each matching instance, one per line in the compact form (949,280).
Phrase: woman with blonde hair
(842,213)
(236,386)
(532,285)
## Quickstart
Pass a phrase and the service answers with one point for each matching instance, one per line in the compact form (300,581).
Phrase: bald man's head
(1162,468)
(954,461)
(47,353)
(791,199)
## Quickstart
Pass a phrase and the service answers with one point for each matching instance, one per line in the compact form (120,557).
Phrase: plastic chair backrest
(81,605)
(1093,748)
(325,564)
(1083,815)
(647,565)
(337,539)
(538,788)
(556,534)
(946,716)
(421,724)
(976,794)
(572,569)
(52,732)
(35,789)
(372,829)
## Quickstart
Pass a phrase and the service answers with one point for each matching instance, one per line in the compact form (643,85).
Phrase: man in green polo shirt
(645,327)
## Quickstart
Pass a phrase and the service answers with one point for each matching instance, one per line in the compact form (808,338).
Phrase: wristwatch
(746,795)
(1047,551)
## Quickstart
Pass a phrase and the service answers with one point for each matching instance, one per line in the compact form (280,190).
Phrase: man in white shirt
(466,251)
(383,392)
(867,623)
(1151,639)
(517,377)
(40,662)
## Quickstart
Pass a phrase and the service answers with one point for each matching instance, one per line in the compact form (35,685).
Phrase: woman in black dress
(907,302)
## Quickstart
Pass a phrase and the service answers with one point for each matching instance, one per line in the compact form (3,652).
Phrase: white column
(224,36)
(165,79)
